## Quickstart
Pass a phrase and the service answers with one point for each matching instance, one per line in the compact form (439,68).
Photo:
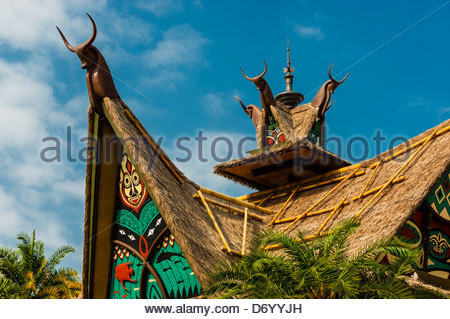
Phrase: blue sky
(177,65)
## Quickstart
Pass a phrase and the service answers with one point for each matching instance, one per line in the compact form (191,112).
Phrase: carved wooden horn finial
(256,77)
(85,44)
(333,80)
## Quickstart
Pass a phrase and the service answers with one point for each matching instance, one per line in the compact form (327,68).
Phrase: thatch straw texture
(185,216)
(391,209)
(303,119)
(284,118)
(194,230)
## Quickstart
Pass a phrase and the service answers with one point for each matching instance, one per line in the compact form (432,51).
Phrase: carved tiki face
(132,190)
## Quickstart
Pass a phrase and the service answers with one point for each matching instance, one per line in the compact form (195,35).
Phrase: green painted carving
(314,134)
(138,225)
(439,197)
(126,218)
(174,270)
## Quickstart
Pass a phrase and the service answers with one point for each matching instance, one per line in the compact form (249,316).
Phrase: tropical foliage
(26,273)
(319,268)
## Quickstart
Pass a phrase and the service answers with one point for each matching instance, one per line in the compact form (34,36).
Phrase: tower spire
(289,97)
(288,70)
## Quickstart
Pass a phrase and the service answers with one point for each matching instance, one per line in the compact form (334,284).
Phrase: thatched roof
(185,215)
(384,215)
(295,123)
(280,164)
(202,239)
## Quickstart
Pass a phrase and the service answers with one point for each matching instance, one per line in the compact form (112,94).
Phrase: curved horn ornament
(68,46)
(94,32)
(331,77)
(242,104)
(256,77)
(85,44)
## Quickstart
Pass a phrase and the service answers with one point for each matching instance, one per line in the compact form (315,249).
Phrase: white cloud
(213,103)
(32,192)
(160,7)
(164,78)
(181,45)
(32,23)
(306,31)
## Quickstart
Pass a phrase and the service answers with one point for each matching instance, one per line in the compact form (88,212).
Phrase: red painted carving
(143,252)
(124,273)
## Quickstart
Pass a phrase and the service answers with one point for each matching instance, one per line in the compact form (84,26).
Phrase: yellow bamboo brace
(321,200)
(320,184)
(336,209)
(232,252)
(396,174)
(310,237)
(229,207)
(262,201)
(302,182)
(235,200)
(284,206)
(393,180)
(327,210)
(244,231)
(376,189)
(368,181)
(418,143)
(155,147)
(315,213)
(222,237)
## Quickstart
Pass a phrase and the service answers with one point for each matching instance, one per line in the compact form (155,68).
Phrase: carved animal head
(322,99)
(83,51)
(253,112)
(334,84)
(98,77)
(258,80)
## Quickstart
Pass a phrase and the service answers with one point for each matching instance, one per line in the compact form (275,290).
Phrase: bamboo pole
(229,207)
(232,252)
(244,234)
(310,237)
(335,210)
(376,189)
(155,147)
(284,205)
(307,180)
(316,185)
(315,213)
(279,195)
(235,200)
(262,201)
(412,146)
(320,201)
(375,169)
(396,174)
(216,226)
